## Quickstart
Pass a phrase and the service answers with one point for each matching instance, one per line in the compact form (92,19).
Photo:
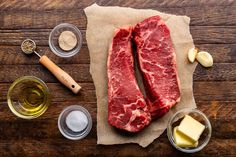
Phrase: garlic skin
(192,53)
(205,59)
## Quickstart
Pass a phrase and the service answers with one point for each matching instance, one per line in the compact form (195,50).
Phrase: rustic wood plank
(219,110)
(60,93)
(58,146)
(213,26)
(215,110)
(60,4)
(222,53)
(41,132)
(216,16)
(201,35)
(80,72)
(215,91)
(203,91)
(42,4)
(218,35)
(219,72)
(55,109)
(218,113)
(26,19)
(15,37)
(8,73)
(14,55)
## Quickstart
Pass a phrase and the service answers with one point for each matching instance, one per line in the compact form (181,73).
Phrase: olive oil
(32,99)
(28,97)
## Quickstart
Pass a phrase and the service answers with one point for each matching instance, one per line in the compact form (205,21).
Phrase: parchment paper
(101,22)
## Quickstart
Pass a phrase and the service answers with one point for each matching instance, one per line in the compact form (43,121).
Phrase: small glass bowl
(199,116)
(28,97)
(67,132)
(54,36)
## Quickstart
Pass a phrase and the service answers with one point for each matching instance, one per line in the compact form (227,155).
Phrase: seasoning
(76,121)
(28,46)
(67,40)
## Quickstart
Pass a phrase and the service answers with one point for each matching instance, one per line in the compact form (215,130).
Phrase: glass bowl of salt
(75,122)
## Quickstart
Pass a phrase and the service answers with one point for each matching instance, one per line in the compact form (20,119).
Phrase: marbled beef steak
(127,109)
(157,61)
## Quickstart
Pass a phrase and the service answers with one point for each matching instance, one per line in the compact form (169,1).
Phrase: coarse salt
(76,121)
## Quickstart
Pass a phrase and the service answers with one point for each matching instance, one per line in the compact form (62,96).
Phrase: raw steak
(127,109)
(157,62)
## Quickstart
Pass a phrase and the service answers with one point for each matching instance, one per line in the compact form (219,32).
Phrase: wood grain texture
(203,91)
(222,53)
(89,148)
(217,111)
(69,4)
(80,72)
(13,55)
(201,35)
(219,15)
(213,27)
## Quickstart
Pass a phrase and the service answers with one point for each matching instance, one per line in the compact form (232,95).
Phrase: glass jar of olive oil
(28,97)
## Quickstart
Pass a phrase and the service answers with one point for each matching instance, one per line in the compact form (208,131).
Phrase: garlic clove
(205,59)
(192,53)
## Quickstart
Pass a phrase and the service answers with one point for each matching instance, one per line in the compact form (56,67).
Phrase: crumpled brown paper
(101,22)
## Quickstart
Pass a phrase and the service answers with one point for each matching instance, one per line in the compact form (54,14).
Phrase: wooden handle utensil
(60,74)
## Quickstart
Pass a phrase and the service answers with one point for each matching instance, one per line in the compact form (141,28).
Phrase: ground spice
(28,46)
(67,40)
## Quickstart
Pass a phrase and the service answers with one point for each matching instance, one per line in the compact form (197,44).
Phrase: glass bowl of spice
(75,122)
(65,40)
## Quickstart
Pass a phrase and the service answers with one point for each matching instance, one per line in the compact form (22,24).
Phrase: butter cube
(183,141)
(191,128)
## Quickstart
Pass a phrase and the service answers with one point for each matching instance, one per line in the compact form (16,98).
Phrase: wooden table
(213,27)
